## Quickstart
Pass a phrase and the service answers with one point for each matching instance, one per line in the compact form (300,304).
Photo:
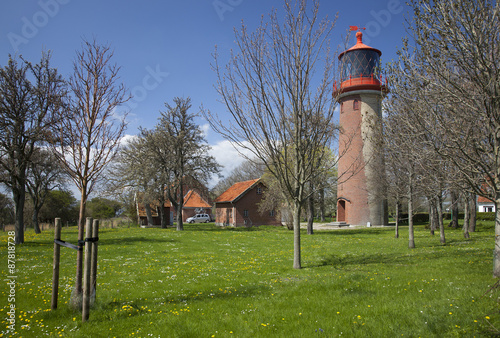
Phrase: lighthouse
(361,190)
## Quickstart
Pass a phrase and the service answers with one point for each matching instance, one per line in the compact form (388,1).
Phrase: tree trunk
(411,236)
(439,205)
(19,196)
(36,226)
(454,209)
(310,213)
(180,225)
(322,204)
(466,216)
(296,235)
(76,296)
(163,214)
(496,251)
(432,216)
(398,209)
(164,217)
(473,215)
(149,216)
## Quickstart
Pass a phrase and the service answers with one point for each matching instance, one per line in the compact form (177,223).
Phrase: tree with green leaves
(103,208)
(60,204)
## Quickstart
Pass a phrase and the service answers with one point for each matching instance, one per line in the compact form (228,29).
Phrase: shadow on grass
(141,305)
(219,294)
(353,232)
(135,240)
(108,241)
(391,259)
(215,228)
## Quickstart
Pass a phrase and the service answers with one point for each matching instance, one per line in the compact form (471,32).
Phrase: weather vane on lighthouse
(355,28)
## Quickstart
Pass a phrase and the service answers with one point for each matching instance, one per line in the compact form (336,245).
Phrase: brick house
(155,213)
(194,202)
(238,206)
(485,205)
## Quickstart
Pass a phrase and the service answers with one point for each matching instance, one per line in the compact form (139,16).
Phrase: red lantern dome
(360,69)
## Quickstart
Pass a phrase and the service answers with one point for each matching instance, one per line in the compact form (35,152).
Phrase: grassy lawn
(213,282)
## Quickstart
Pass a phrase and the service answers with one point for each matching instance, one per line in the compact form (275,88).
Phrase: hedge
(423,217)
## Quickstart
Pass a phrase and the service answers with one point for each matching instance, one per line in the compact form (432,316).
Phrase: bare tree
(134,172)
(31,105)
(181,152)
(456,61)
(402,162)
(89,140)
(278,91)
(44,174)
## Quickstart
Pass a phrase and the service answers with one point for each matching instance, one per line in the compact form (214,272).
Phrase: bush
(485,216)
(421,217)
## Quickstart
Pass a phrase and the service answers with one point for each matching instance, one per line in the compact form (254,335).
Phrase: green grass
(212,282)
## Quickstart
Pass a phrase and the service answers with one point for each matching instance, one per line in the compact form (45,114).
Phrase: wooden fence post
(55,270)
(93,268)
(86,271)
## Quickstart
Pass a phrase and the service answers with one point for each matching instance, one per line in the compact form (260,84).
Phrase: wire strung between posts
(81,243)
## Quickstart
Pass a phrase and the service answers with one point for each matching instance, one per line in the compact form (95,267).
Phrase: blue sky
(165,47)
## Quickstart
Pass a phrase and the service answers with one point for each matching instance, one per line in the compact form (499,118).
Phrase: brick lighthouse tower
(361,191)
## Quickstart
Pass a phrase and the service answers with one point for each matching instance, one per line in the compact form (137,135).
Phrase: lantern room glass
(360,63)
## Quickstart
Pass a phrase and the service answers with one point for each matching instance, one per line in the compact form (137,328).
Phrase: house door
(341,211)
(229,216)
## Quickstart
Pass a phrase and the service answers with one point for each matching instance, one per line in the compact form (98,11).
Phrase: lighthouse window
(355,105)
(359,63)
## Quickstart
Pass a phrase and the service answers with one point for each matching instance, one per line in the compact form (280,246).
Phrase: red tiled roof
(194,200)
(154,213)
(236,190)
(481,199)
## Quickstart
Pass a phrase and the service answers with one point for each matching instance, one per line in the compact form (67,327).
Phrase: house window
(355,105)
(259,190)
(271,213)
(488,209)
(245,213)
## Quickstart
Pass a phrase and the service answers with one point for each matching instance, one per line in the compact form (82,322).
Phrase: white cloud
(126,139)
(229,155)
(205,128)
